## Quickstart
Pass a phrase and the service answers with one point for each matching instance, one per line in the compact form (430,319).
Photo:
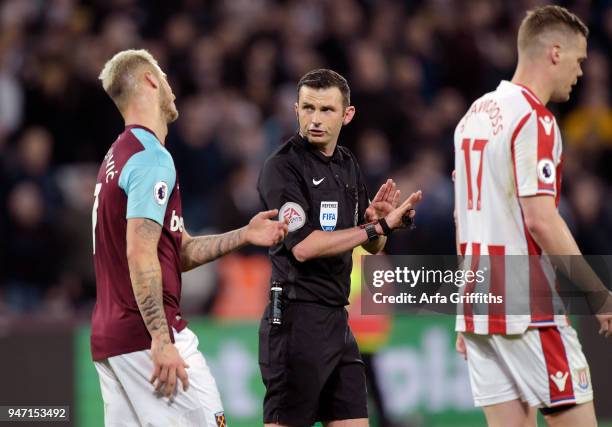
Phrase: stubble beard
(168,111)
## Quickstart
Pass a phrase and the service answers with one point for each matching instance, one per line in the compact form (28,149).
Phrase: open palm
(386,199)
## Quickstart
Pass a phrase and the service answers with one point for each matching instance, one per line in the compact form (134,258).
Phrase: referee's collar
(337,155)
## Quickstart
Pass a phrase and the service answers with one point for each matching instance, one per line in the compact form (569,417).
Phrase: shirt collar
(128,127)
(337,155)
(507,85)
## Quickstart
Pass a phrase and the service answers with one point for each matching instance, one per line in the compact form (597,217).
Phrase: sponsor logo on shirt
(295,215)
(160,193)
(176,222)
(546,171)
(328,216)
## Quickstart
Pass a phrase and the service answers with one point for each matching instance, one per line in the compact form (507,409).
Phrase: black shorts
(311,367)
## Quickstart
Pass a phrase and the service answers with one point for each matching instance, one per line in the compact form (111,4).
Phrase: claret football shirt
(137,179)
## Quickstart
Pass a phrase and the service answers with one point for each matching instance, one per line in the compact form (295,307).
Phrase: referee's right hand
(394,218)
(167,366)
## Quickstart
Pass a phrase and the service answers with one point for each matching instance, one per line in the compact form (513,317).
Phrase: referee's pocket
(272,343)
(264,342)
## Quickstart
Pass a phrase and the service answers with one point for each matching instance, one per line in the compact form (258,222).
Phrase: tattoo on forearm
(203,249)
(146,277)
(148,291)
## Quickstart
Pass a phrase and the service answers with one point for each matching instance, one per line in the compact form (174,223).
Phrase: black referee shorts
(311,367)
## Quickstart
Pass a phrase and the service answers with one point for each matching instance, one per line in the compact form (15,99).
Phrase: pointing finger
(269,214)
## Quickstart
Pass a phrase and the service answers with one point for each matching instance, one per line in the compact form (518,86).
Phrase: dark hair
(323,78)
(548,17)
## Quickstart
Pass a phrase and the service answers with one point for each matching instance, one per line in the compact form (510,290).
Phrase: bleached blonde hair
(119,73)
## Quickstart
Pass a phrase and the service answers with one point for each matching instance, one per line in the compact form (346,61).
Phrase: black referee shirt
(315,192)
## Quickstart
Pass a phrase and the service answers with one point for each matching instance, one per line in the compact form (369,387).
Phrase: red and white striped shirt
(507,146)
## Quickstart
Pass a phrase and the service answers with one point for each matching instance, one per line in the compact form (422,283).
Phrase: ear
(151,79)
(555,54)
(295,106)
(349,113)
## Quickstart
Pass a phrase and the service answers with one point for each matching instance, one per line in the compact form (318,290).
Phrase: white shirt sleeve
(536,155)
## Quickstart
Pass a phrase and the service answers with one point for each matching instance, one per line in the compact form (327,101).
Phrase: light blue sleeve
(148,183)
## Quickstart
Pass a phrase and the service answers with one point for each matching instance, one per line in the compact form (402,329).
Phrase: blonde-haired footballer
(140,343)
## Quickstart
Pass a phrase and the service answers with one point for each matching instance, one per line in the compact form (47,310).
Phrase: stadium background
(413,67)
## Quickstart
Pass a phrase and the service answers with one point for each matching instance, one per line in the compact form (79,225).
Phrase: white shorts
(130,399)
(544,367)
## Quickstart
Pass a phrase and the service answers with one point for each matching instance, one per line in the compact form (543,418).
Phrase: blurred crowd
(413,66)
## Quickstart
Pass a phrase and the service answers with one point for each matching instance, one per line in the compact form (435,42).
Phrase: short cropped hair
(118,74)
(323,78)
(548,18)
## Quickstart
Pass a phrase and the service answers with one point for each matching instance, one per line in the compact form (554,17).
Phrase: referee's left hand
(264,231)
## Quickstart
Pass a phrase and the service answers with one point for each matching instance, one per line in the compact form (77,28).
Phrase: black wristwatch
(371,232)
(385,227)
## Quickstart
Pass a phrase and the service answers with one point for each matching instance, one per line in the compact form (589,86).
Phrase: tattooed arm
(261,231)
(145,273)
(146,276)
(199,250)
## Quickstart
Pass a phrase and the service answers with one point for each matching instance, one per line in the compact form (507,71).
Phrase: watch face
(371,232)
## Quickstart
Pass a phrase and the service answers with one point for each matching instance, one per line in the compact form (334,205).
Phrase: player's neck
(158,127)
(532,80)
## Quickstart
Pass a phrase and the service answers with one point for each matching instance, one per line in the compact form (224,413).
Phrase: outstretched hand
(262,230)
(394,218)
(386,199)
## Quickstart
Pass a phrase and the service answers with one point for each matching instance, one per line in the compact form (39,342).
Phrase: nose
(316,119)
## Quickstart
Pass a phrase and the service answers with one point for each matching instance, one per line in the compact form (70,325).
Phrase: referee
(310,362)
